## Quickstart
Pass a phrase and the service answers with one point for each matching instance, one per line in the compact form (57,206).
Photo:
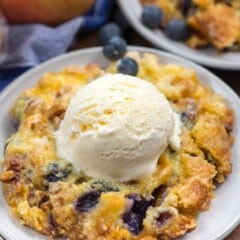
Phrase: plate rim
(149,35)
(97,50)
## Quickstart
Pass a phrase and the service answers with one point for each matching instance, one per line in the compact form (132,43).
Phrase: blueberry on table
(152,16)
(127,66)
(108,31)
(177,29)
(115,48)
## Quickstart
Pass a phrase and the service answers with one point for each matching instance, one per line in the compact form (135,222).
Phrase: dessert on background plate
(103,155)
(212,39)
(199,22)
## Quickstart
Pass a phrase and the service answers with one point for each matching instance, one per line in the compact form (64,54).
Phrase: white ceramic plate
(209,57)
(214,224)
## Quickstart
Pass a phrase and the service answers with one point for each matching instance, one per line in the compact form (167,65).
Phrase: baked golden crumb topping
(44,193)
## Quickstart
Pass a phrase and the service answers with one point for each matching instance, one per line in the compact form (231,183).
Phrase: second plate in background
(207,56)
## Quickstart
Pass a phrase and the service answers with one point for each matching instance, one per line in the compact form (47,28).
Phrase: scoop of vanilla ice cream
(117,127)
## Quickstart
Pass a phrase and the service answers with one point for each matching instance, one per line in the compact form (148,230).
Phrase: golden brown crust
(219,24)
(217,145)
(197,41)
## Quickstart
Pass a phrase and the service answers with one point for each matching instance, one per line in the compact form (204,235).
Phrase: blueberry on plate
(177,29)
(108,31)
(115,48)
(152,16)
(127,66)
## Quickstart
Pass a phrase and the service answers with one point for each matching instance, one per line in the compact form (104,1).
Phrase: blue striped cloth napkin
(31,44)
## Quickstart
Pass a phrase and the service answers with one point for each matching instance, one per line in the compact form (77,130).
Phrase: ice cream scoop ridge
(117,127)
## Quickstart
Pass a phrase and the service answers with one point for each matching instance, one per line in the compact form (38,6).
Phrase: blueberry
(134,217)
(134,222)
(177,29)
(57,173)
(108,31)
(115,48)
(127,66)
(141,207)
(152,16)
(52,178)
(88,201)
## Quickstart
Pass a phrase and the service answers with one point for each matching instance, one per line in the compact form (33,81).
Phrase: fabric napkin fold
(31,44)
